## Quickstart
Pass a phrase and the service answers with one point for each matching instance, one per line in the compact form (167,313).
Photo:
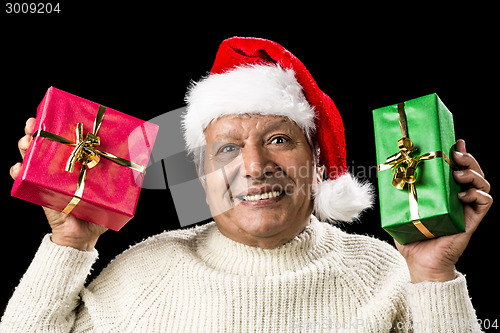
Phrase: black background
(139,59)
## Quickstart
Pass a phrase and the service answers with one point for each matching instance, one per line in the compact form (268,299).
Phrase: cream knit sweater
(197,280)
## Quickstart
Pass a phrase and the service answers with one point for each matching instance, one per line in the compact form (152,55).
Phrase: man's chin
(263,222)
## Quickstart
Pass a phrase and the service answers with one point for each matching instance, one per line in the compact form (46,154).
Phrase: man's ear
(202,179)
(320,173)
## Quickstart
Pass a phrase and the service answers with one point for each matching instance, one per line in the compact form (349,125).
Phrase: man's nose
(257,162)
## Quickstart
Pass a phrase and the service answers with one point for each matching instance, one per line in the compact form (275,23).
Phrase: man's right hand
(66,230)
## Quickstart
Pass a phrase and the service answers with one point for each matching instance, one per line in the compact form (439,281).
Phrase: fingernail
(459,173)
(459,154)
(462,194)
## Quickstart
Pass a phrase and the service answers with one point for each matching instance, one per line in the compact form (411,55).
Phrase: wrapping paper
(430,128)
(111,190)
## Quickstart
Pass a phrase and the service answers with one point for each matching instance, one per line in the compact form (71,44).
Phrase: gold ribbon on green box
(86,154)
(404,168)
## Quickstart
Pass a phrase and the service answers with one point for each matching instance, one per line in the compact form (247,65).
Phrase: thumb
(14,170)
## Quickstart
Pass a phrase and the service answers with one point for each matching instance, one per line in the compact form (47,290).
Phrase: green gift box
(418,195)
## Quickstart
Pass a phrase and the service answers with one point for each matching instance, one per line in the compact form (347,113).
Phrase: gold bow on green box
(430,124)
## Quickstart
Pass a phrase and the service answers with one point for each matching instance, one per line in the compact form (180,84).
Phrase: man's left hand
(435,259)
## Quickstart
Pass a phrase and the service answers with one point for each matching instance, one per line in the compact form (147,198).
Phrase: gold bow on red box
(86,154)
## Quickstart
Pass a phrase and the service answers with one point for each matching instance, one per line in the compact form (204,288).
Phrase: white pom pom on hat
(253,75)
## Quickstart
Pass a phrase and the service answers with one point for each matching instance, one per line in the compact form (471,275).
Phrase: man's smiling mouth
(263,196)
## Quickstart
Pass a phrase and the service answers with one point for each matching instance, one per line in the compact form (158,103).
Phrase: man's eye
(228,149)
(278,140)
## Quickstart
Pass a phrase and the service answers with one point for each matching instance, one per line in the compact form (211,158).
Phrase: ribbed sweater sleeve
(442,307)
(48,294)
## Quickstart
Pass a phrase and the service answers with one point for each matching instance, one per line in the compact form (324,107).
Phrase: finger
(23,144)
(14,170)
(30,125)
(464,159)
(467,161)
(477,203)
(460,146)
(471,177)
(479,200)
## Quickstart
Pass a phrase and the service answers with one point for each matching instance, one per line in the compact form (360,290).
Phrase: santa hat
(258,76)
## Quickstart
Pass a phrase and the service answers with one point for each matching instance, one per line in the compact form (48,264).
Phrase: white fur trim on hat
(342,199)
(256,89)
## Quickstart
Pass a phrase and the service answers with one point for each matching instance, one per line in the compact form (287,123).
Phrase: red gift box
(121,145)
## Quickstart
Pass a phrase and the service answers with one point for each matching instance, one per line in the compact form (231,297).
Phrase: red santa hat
(258,76)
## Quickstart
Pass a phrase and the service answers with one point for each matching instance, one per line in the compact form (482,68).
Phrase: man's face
(259,173)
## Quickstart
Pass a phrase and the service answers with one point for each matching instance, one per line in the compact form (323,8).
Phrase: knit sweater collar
(223,254)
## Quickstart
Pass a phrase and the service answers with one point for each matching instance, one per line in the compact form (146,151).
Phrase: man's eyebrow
(271,126)
(231,134)
(278,124)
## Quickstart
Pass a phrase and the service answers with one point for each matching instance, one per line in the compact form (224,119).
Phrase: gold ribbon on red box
(86,154)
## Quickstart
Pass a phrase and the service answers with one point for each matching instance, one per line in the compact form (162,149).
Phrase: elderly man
(270,152)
